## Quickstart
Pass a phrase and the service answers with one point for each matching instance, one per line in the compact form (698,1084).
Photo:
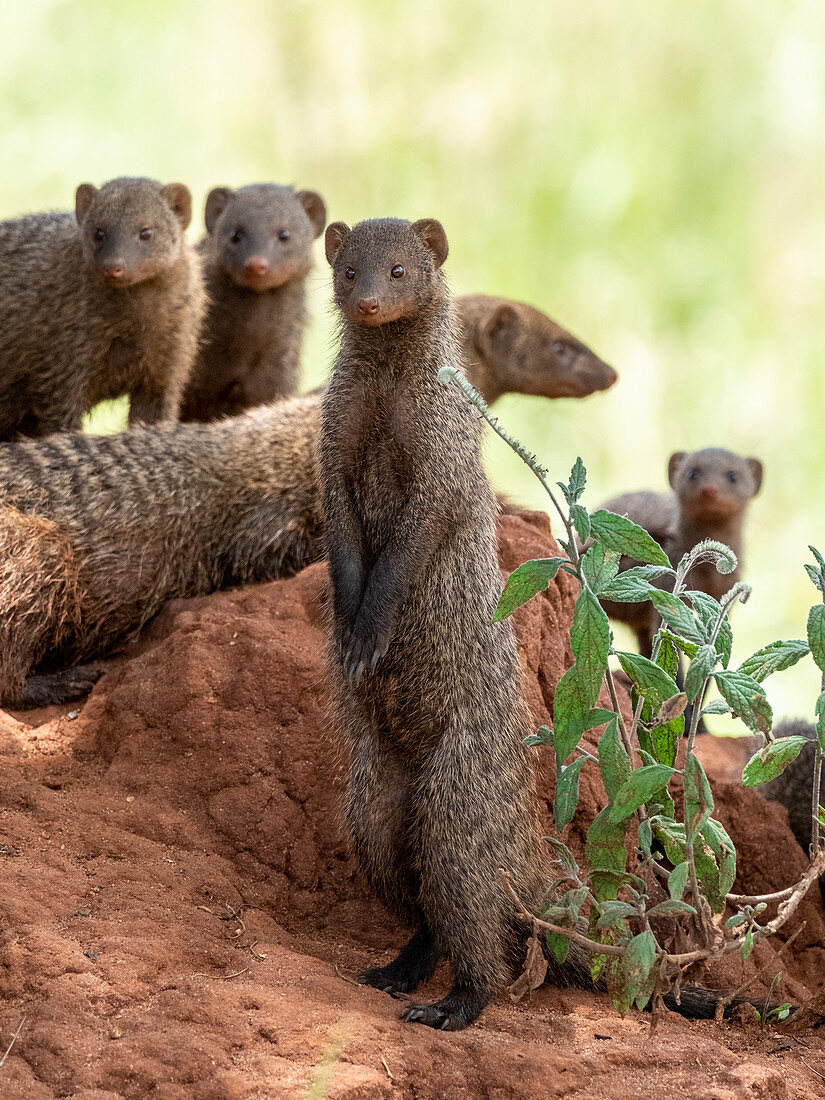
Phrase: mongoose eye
(100,234)
(284,235)
(563,352)
(694,473)
(236,235)
(145,234)
(733,477)
(350,273)
(397,272)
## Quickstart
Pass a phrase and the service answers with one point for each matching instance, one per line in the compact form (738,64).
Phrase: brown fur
(83,318)
(426,687)
(257,255)
(97,533)
(705,504)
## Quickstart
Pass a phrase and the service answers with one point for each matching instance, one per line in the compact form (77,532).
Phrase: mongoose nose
(114,271)
(256,265)
(709,492)
(368,306)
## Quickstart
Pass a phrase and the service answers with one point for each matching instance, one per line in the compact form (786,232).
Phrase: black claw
(375,658)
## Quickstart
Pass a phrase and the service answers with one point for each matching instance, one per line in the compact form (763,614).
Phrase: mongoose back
(256,256)
(96,304)
(794,786)
(510,347)
(711,492)
(97,533)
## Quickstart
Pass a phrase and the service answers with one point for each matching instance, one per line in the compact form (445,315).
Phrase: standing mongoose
(96,304)
(97,533)
(711,492)
(794,786)
(256,257)
(426,688)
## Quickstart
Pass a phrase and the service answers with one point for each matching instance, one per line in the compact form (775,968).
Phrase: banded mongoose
(793,788)
(256,256)
(96,304)
(97,533)
(426,688)
(711,492)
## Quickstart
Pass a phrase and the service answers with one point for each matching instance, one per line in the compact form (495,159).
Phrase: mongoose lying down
(256,256)
(426,688)
(711,492)
(154,515)
(103,302)
(794,786)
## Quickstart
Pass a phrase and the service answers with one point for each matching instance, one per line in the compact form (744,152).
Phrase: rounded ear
(432,234)
(82,201)
(337,233)
(216,202)
(180,199)
(673,465)
(315,209)
(755,467)
(500,327)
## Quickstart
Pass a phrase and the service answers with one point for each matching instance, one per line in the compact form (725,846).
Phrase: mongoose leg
(416,963)
(59,687)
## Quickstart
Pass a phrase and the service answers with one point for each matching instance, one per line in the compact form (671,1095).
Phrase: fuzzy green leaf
(725,854)
(699,669)
(542,736)
(614,763)
(718,706)
(675,908)
(746,698)
(747,945)
(772,759)
(653,682)
(621,534)
(524,582)
(698,799)
(605,852)
(633,585)
(563,856)
(572,713)
(678,616)
(599,566)
(559,945)
(724,642)
(567,794)
(637,789)
(707,609)
(613,911)
(590,641)
(815,576)
(678,880)
(816,634)
(687,647)
(636,967)
(576,484)
(581,521)
(774,658)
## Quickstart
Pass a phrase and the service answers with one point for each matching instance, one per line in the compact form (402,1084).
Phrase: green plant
(611,906)
(772,1014)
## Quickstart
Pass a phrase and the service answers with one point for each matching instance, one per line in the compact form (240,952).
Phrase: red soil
(180,918)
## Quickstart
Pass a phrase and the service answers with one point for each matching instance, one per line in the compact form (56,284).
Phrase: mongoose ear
(216,202)
(180,199)
(83,200)
(315,209)
(337,233)
(432,234)
(500,327)
(755,467)
(673,465)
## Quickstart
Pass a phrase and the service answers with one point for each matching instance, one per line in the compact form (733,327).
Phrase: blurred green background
(649,174)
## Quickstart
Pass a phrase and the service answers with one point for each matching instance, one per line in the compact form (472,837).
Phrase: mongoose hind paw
(453,1013)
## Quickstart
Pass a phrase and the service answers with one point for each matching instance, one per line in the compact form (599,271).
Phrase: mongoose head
(387,269)
(713,485)
(132,229)
(520,350)
(261,236)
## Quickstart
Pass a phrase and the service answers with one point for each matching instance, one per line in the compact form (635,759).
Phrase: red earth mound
(180,918)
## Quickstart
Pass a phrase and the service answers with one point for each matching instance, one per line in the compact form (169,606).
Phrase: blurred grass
(648,174)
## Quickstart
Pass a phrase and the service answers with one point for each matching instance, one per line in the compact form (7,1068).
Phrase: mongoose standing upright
(426,687)
(101,303)
(711,492)
(256,255)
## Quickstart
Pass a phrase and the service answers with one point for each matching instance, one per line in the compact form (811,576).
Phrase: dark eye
(284,235)
(350,273)
(559,348)
(100,234)
(694,473)
(397,272)
(733,477)
(145,234)
(236,235)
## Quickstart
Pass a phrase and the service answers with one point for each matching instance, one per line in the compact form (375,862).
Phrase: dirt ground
(180,917)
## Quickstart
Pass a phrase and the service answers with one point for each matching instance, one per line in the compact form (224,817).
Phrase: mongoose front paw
(362,654)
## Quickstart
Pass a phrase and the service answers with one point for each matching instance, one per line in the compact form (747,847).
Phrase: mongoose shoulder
(256,255)
(711,492)
(98,533)
(96,304)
